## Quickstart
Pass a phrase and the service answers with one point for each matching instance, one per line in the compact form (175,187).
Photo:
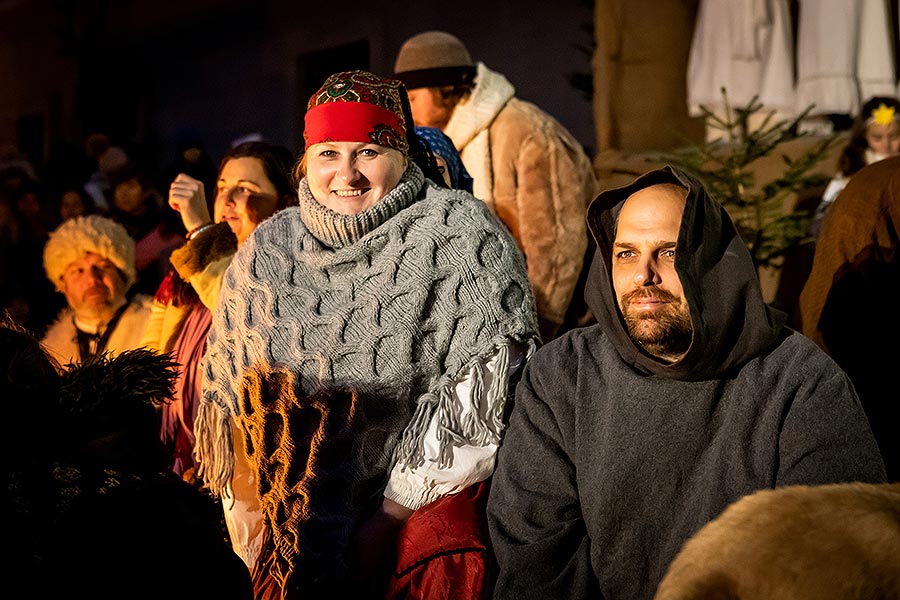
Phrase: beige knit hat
(93,233)
(433,59)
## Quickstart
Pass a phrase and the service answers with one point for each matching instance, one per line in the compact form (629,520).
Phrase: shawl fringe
(481,426)
(214,451)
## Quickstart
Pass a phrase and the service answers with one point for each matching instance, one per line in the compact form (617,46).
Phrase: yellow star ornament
(883,115)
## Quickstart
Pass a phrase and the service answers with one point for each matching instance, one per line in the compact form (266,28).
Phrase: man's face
(643,271)
(93,286)
(429,108)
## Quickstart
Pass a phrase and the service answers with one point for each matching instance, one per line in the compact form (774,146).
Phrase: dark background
(144,70)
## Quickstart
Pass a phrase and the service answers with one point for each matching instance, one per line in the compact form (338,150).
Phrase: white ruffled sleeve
(414,488)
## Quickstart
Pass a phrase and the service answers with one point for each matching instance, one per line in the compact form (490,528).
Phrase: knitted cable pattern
(304,445)
(403,296)
(335,341)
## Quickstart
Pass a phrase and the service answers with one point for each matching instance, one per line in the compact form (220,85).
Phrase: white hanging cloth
(745,46)
(844,55)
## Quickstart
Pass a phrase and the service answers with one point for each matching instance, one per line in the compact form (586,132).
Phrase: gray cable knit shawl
(394,302)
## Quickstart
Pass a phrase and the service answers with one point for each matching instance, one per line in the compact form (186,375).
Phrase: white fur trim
(468,127)
(93,233)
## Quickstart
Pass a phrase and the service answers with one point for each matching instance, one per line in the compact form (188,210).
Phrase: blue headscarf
(442,146)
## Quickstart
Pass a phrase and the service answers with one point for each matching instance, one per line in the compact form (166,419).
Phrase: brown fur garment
(215,243)
(827,542)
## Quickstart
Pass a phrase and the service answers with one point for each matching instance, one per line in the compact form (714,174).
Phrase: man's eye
(668,253)
(368,152)
(327,153)
(624,254)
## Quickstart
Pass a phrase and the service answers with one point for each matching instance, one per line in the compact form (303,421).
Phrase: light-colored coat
(535,177)
(62,342)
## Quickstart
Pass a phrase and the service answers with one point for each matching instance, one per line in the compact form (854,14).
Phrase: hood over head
(731,322)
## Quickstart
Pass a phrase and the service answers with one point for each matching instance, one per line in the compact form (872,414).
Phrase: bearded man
(91,261)
(628,436)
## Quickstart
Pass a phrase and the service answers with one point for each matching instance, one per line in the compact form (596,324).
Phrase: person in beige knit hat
(90,260)
(526,166)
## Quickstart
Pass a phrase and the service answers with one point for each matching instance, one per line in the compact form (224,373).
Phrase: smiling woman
(360,357)
(245,195)
(349,177)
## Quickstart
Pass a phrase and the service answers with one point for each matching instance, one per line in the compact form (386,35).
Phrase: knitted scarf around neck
(394,302)
(335,231)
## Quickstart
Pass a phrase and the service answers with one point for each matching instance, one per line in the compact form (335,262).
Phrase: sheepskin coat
(61,340)
(536,178)
(201,261)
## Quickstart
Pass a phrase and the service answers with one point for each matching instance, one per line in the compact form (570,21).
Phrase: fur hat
(93,233)
(357,106)
(434,59)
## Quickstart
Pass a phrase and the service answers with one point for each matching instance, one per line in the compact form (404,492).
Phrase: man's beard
(97,303)
(664,333)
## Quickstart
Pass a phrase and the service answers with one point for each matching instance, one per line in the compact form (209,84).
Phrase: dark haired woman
(254,182)
(365,342)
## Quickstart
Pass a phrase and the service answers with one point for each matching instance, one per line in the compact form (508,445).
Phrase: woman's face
(349,177)
(245,196)
(884,139)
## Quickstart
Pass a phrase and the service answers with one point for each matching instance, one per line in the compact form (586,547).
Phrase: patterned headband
(357,106)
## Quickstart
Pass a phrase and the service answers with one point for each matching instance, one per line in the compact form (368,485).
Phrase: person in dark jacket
(856,262)
(627,436)
(93,509)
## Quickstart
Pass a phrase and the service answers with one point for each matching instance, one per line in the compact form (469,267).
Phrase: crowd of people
(365,369)
(100,179)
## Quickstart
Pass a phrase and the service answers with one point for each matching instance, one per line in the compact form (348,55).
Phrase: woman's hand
(187,196)
(374,546)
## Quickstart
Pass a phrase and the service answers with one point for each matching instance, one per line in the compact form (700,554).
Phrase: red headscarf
(357,106)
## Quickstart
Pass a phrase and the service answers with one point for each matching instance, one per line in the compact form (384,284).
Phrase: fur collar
(474,115)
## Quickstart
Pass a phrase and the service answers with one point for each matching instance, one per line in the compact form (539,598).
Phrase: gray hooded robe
(612,459)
